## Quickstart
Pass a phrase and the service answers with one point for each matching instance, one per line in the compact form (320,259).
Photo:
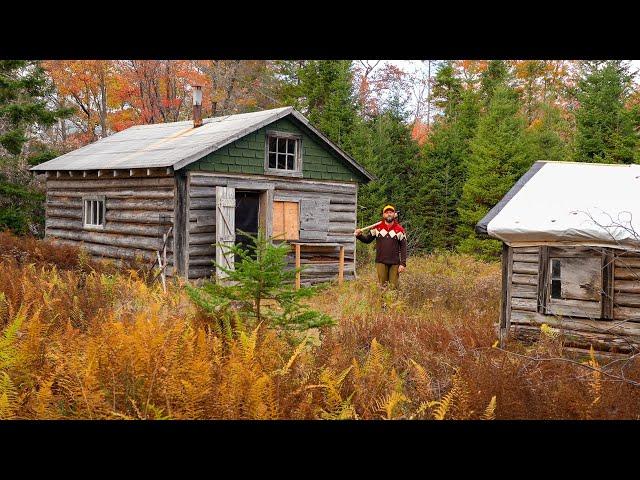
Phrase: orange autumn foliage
(80,342)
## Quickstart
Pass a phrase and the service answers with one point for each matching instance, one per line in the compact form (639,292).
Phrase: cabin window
(93,212)
(574,282)
(283,153)
(286,220)
(556,279)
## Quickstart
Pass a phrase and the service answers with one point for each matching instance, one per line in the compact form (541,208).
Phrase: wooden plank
(110,251)
(342,207)
(574,251)
(340,228)
(85,184)
(291,218)
(627,262)
(145,230)
(526,268)
(159,193)
(577,324)
(519,250)
(543,278)
(139,216)
(529,304)
(581,278)
(341,264)
(202,238)
(225,227)
(631,314)
(313,215)
(524,291)
(203,219)
(521,279)
(583,340)
(202,251)
(574,308)
(627,286)
(341,216)
(526,257)
(139,204)
(64,212)
(627,300)
(625,273)
(201,261)
(297,250)
(608,258)
(180,233)
(505,299)
(278,220)
(195,228)
(202,203)
(265,218)
(99,237)
(298,184)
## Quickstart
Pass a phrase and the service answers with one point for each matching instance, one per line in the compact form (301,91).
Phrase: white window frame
(93,218)
(297,155)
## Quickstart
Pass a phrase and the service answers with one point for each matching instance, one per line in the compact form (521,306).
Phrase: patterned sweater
(391,243)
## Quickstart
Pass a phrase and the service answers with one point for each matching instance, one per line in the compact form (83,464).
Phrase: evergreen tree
(545,136)
(496,75)
(604,127)
(258,282)
(323,90)
(443,169)
(24,88)
(499,157)
(392,155)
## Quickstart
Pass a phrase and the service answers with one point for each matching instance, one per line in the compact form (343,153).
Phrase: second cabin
(200,182)
(571,254)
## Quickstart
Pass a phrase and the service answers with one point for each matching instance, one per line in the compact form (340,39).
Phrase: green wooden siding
(246,155)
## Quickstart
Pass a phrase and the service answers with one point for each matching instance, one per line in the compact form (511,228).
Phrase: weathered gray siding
(327,214)
(580,320)
(139,209)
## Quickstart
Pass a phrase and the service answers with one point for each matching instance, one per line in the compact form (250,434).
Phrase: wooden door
(225,227)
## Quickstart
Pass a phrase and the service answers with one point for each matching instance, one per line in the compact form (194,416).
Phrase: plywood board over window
(286,220)
(574,284)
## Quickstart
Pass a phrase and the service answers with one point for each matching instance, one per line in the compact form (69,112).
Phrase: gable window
(93,212)
(286,220)
(283,155)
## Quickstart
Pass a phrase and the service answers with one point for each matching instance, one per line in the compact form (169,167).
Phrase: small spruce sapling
(259,288)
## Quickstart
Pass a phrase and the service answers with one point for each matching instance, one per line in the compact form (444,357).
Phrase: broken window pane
(556,283)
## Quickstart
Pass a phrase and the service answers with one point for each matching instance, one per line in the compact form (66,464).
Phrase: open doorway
(246,217)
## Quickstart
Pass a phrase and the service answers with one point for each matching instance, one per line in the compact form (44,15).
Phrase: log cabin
(189,186)
(570,237)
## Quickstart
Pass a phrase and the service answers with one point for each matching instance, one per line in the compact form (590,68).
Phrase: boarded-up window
(286,220)
(574,284)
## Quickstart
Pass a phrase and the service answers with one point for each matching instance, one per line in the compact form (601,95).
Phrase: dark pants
(387,274)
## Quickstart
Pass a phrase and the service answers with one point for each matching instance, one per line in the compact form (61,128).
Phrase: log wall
(581,326)
(139,209)
(327,214)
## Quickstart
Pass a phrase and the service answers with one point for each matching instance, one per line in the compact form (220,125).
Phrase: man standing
(391,247)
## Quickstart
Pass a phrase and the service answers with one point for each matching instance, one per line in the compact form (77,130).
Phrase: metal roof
(177,144)
(569,202)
